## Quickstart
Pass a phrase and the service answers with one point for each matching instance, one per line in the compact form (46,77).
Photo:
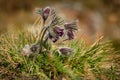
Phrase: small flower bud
(65,51)
(46,12)
(28,50)
(43,12)
(34,48)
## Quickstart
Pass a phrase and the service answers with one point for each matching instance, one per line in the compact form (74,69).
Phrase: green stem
(39,34)
(42,38)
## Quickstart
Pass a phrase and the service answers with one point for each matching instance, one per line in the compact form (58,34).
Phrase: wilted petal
(26,51)
(58,31)
(65,51)
(71,26)
(70,34)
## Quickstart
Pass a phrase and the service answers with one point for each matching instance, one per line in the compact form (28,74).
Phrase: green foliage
(86,61)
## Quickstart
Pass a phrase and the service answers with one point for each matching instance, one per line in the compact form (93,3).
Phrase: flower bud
(46,12)
(34,48)
(65,51)
(26,51)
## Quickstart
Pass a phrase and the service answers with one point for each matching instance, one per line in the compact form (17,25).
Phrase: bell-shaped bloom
(65,51)
(46,12)
(58,31)
(53,37)
(71,26)
(70,34)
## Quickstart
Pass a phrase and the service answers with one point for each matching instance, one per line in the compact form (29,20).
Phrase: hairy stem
(42,38)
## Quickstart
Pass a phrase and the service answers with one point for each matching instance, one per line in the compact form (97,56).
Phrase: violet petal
(46,12)
(70,34)
(58,31)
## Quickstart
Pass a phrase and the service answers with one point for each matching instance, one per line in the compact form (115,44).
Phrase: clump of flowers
(53,31)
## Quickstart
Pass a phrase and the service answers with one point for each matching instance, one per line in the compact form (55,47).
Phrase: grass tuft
(94,62)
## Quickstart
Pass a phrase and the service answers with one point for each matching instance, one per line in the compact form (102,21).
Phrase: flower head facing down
(58,31)
(70,34)
(70,28)
(65,51)
(53,37)
(55,33)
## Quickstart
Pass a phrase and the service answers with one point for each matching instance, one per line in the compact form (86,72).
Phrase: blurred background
(96,17)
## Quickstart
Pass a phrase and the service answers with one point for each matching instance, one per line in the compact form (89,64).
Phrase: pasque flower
(53,37)
(55,33)
(51,30)
(65,51)
(70,28)
(44,12)
(70,34)
(58,31)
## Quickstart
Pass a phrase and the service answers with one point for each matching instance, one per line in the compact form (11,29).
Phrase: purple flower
(70,27)
(46,12)
(53,37)
(55,33)
(58,31)
(70,34)
(65,51)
